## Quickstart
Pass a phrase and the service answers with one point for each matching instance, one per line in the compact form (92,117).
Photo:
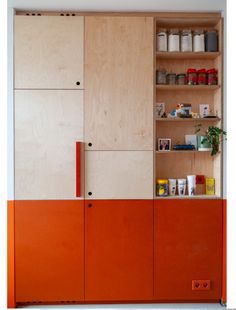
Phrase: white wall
(121,5)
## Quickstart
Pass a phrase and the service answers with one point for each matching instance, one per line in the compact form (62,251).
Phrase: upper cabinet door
(48,123)
(119,83)
(49,52)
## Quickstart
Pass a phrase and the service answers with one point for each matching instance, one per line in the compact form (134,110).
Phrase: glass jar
(186,40)
(161,76)
(211,40)
(212,77)
(198,41)
(192,76)
(201,77)
(171,78)
(162,187)
(162,40)
(173,40)
(181,79)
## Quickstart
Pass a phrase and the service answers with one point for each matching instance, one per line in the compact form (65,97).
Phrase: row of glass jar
(187,40)
(193,77)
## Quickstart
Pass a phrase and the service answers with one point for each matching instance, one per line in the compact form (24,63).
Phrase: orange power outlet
(201,285)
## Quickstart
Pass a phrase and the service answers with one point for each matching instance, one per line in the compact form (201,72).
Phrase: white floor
(135,306)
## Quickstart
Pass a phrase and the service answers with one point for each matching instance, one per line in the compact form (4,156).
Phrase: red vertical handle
(78,169)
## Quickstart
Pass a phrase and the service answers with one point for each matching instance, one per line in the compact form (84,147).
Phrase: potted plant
(212,138)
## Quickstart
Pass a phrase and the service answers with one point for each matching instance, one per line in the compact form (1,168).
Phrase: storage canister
(201,77)
(162,187)
(212,77)
(171,78)
(162,40)
(210,186)
(161,76)
(192,76)
(186,40)
(173,40)
(198,41)
(181,79)
(211,40)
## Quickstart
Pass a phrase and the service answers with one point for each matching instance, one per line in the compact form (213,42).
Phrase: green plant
(213,135)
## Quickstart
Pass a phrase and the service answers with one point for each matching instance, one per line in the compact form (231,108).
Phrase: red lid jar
(201,77)
(192,76)
(212,77)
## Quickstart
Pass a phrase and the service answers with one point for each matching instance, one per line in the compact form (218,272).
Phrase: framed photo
(164,144)
(204,110)
(159,109)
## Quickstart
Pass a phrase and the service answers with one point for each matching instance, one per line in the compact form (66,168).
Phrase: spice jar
(192,76)
(173,40)
(201,77)
(186,40)
(162,40)
(198,41)
(181,79)
(211,40)
(212,77)
(161,77)
(162,187)
(171,78)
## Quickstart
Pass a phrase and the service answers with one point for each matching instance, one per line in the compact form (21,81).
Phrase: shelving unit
(179,164)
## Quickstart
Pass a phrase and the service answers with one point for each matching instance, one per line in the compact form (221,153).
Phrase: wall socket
(201,285)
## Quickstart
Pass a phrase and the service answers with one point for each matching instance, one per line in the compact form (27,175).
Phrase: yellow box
(210,186)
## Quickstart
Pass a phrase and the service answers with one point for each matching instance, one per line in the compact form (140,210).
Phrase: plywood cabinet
(119,250)
(119,83)
(187,247)
(119,174)
(47,125)
(49,52)
(49,251)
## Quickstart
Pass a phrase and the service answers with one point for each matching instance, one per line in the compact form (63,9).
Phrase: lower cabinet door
(49,251)
(118,250)
(187,250)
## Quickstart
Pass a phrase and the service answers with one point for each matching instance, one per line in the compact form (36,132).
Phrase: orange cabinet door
(187,247)
(49,251)
(118,250)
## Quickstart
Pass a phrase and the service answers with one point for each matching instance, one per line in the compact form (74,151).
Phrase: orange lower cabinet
(188,250)
(118,250)
(49,251)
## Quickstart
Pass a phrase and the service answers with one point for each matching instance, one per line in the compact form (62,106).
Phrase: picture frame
(164,144)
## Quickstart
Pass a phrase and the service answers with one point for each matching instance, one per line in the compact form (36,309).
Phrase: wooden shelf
(187,55)
(181,151)
(190,197)
(187,87)
(178,119)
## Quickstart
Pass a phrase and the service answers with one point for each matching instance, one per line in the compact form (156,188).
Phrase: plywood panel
(119,83)
(49,51)
(49,251)
(187,246)
(47,125)
(119,174)
(119,250)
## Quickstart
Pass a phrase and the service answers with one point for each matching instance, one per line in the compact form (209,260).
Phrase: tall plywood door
(119,83)
(49,251)
(48,123)
(49,52)
(118,250)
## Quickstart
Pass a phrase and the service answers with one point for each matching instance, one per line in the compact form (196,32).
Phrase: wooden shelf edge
(188,55)
(187,87)
(178,119)
(189,197)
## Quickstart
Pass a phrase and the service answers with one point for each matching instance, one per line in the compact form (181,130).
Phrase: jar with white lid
(198,41)
(173,40)
(186,40)
(162,40)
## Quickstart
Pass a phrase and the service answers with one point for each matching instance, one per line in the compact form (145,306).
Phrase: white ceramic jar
(186,40)
(162,40)
(198,41)
(173,41)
